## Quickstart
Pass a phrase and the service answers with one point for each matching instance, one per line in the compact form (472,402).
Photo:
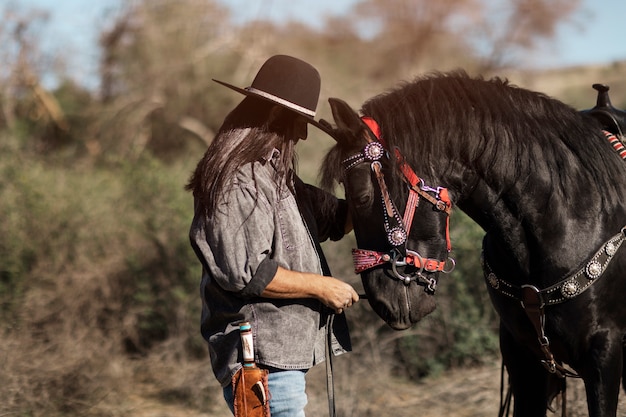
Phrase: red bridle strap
(443,203)
(373,126)
(366,259)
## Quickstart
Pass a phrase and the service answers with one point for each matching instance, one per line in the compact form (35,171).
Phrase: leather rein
(396,228)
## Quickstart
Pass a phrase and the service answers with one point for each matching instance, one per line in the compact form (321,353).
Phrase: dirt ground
(459,393)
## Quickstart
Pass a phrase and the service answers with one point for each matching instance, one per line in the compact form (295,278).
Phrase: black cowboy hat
(288,82)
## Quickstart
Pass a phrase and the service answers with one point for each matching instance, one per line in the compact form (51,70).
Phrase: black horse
(548,189)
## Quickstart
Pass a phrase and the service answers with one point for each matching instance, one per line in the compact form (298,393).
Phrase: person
(257,229)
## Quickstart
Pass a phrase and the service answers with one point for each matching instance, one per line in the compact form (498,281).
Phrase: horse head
(399,259)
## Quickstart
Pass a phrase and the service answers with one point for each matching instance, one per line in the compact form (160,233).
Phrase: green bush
(162,272)
(95,263)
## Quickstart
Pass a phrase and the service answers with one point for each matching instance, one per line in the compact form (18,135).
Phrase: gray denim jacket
(256,229)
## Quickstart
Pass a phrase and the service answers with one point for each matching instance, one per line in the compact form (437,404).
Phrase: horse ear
(345,117)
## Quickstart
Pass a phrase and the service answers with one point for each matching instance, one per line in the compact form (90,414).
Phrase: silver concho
(493,280)
(570,289)
(593,270)
(610,249)
(396,236)
(373,151)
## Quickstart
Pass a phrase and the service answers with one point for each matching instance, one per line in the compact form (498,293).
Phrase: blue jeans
(287,393)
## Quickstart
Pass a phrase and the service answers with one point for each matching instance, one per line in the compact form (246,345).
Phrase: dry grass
(359,391)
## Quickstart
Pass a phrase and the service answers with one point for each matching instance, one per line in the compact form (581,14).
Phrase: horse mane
(492,126)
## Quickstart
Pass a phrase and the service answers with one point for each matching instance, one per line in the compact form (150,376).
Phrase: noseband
(396,228)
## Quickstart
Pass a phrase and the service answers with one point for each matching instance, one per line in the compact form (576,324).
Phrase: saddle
(610,118)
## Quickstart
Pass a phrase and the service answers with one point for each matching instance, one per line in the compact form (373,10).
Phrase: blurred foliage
(463,330)
(96,270)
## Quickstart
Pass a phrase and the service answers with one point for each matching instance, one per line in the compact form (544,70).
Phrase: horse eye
(362,200)
(361,195)
(359,187)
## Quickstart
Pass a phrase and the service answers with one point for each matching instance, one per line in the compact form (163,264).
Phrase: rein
(397,234)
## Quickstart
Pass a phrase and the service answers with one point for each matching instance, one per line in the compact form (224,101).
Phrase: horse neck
(486,207)
(541,235)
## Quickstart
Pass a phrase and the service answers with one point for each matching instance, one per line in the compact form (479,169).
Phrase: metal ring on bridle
(399,260)
(441,205)
(452,266)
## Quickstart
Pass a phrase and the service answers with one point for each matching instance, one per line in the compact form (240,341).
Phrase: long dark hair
(250,132)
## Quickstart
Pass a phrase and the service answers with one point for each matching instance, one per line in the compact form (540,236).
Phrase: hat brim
(310,119)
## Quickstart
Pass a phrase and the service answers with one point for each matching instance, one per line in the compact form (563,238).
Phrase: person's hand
(336,294)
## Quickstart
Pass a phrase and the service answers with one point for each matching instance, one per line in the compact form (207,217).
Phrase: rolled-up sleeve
(235,244)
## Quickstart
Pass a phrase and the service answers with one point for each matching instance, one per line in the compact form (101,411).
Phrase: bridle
(397,228)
